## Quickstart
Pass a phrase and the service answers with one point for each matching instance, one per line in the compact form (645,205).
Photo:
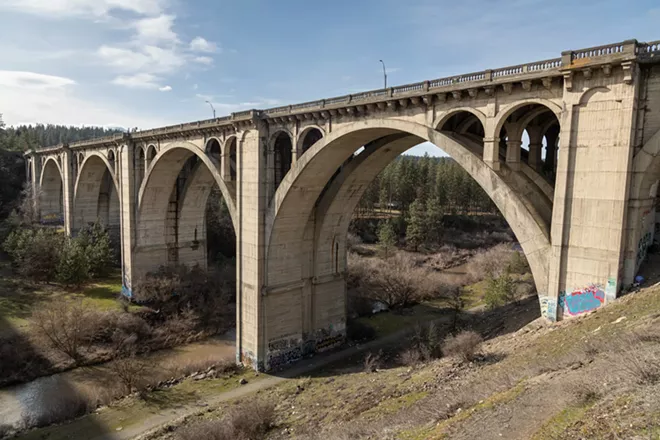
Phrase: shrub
(426,341)
(395,284)
(490,263)
(173,290)
(95,241)
(36,252)
(67,326)
(463,345)
(518,263)
(500,291)
(372,362)
(73,265)
(250,421)
(131,372)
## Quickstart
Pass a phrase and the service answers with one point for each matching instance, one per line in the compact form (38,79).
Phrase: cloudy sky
(146,63)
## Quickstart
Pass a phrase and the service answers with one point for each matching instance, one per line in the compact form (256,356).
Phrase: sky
(149,63)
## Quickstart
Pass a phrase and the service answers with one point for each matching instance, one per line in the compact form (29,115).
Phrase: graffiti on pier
(126,288)
(643,247)
(52,219)
(284,351)
(581,301)
(548,307)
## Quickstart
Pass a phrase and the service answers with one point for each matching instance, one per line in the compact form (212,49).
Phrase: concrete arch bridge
(579,194)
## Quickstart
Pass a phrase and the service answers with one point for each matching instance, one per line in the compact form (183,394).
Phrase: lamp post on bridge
(212,108)
(384,73)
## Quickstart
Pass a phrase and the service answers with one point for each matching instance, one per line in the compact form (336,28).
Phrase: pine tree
(434,215)
(416,232)
(386,236)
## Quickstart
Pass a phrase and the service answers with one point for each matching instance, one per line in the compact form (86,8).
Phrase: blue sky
(146,63)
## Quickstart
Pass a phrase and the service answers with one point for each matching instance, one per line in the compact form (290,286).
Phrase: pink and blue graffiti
(582,301)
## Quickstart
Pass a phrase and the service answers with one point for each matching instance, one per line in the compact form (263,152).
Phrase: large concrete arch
(51,183)
(88,187)
(153,200)
(294,201)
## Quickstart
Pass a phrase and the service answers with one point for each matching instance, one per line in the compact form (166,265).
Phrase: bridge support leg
(127,216)
(592,196)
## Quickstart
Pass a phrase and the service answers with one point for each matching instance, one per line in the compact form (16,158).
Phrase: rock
(619,320)
(119,429)
(243,381)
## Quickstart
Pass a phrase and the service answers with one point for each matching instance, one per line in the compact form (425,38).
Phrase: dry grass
(464,345)
(215,366)
(250,421)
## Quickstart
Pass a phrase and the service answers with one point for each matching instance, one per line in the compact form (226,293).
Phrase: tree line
(14,141)
(430,183)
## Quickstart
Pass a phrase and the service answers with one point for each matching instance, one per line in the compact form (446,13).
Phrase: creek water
(34,399)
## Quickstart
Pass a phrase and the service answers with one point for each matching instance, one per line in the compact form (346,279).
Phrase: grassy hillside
(596,377)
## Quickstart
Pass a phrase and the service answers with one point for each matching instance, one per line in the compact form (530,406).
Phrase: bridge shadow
(349,358)
(33,403)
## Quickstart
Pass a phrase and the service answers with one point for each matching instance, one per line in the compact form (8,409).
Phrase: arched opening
(96,198)
(282,157)
(181,212)
(309,138)
(151,154)
(309,228)
(51,197)
(139,167)
(111,160)
(213,150)
(230,159)
(529,135)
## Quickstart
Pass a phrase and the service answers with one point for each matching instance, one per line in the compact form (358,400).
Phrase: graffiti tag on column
(643,247)
(548,308)
(582,300)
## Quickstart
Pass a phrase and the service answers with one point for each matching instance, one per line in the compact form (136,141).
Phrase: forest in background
(416,187)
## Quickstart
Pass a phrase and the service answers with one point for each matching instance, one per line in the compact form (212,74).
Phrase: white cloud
(156,29)
(60,105)
(96,8)
(150,59)
(199,44)
(165,88)
(138,81)
(32,80)
(203,60)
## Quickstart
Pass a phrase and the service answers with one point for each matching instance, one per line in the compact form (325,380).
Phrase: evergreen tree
(434,215)
(416,232)
(386,236)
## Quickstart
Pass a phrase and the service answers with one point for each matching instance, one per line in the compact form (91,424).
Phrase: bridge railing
(616,50)
(651,46)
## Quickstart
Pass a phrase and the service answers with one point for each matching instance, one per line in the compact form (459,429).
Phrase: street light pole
(212,108)
(384,73)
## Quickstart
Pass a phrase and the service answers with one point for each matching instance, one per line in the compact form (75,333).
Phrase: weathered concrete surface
(580,196)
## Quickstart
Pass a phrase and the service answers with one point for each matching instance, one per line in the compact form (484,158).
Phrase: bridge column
(251,202)
(591,193)
(68,182)
(535,147)
(128,210)
(513,154)
(551,137)
(33,178)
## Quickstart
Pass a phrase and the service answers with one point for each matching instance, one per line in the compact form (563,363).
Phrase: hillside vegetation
(593,377)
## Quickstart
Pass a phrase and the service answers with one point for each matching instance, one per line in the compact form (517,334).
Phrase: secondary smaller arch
(307,138)
(282,157)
